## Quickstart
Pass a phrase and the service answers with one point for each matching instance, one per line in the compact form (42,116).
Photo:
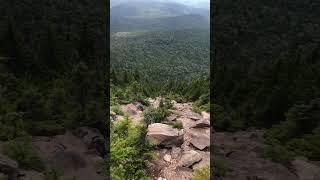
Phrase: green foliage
(22,151)
(202,173)
(56,81)
(128,150)
(117,109)
(165,104)
(155,115)
(174,124)
(279,154)
(297,133)
(167,55)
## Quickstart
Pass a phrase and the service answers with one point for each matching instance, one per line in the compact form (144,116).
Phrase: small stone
(172,118)
(167,157)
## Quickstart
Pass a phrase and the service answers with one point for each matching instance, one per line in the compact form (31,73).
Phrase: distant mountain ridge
(153,16)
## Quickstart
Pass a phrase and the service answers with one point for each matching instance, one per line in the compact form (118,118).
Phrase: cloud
(194,3)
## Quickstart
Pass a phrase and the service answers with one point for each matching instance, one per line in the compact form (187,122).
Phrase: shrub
(155,115)
(128,150)
(23,152)
(117,109)
(280,154)
(166,104)
(202,173)
(175,124)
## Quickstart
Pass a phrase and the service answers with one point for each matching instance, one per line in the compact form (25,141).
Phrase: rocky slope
(77,153)
(180,151)
(241,154)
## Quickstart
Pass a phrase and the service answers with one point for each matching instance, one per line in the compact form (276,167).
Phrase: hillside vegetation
(271,78)
(52,73)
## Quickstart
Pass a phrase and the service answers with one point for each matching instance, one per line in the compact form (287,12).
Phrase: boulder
(172,117)
(189,158)
(306,170)
(165,135)
(203,123)
(194,116)
(8,167)
(200,141)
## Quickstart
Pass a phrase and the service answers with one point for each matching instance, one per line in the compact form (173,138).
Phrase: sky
(194,3)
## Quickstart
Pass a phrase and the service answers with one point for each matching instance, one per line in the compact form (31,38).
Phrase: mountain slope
(123,24)
(153,16)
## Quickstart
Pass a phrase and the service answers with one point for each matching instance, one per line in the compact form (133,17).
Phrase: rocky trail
(180,151)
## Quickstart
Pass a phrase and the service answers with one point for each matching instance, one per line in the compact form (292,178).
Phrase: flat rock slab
(189,158)
(194,116)
(202,123)
(200,141)
(162,134)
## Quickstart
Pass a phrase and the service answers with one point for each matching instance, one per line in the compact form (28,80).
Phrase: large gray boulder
(165,135)
(189,158)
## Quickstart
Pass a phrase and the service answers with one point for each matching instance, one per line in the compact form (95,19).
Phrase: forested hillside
(52,73)
(266,73)
(165,60)
(164,55)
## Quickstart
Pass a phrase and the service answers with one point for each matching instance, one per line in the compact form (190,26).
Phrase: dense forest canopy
(52,67)
(162,55)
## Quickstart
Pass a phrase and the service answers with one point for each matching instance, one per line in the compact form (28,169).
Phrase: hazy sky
(194,3)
